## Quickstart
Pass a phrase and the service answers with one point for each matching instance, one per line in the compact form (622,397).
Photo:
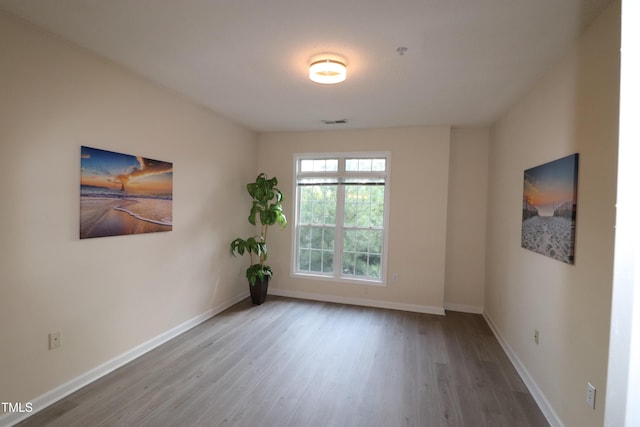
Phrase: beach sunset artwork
(123,194)
(549,208)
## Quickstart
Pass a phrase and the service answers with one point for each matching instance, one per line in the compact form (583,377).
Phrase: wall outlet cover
(591,396)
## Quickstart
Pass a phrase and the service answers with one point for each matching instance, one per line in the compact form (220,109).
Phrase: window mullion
(338,243)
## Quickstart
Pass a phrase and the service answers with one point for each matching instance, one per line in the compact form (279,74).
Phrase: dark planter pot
(259,291)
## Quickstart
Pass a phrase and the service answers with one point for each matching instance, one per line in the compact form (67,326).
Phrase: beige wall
(574,108)
(418,213)
(467,219)
(105,295)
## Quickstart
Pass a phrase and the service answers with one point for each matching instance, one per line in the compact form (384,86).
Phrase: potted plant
(267,207)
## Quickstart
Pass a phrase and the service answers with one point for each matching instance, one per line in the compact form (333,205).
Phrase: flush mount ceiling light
(327,70)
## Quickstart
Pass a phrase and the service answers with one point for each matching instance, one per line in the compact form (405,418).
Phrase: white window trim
(336,277)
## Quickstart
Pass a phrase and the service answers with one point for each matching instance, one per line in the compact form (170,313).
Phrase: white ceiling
(466,61)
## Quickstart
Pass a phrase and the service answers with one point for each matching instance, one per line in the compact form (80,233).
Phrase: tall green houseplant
(267,208)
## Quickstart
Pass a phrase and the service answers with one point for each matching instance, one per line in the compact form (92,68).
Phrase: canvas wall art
(124,194)
(549,208)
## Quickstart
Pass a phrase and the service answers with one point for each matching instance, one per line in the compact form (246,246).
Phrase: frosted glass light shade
(327,71)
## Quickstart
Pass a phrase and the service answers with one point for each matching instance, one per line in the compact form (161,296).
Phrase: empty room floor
(300,363)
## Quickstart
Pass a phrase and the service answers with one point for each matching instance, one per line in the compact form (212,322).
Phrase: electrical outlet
(591,396)
(536,336)
(54,340)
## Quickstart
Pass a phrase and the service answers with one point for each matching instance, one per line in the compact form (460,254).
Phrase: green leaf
(255,208)
(257,271)
(238,247)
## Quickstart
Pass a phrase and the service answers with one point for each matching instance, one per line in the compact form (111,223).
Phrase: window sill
(341,280)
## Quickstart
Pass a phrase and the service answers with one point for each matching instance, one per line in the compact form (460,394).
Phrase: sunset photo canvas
(124,194)
(549,208)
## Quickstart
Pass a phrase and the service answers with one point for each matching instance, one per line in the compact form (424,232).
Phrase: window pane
(316,261)
(328,239)
(362,241)
(377,206)
(362,247)
(305,214)
(306,195)
(316,238)
(377,215)
(364,215)
(374,266)
(304,237)
(364,205)
(351,193)
(330,193)
(330,214)
(362,265)
(316,245)
(358,165)
(364,164)
(375,241)
(318,165)
(350,237)
(303,260)
(379,165)
(377,194)
(329,197)
(318,213)
(351,165)
(348,263)
(327,262)
(350,214)
(362,253)
(364,194)
(318,204)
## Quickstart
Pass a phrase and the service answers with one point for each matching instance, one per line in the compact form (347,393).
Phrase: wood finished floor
(304,364)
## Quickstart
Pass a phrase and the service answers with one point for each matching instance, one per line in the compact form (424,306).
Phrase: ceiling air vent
(335,122)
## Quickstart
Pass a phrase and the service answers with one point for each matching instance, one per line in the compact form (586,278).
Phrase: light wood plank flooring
(304,364)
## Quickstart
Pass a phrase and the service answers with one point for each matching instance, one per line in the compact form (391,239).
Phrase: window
(341,216)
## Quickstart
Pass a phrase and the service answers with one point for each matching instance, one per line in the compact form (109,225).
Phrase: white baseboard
(546,408)
(358,301)
(474,309)
(41,402)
